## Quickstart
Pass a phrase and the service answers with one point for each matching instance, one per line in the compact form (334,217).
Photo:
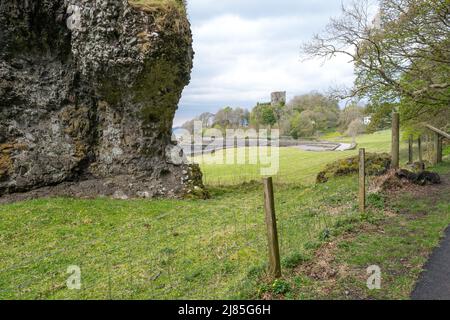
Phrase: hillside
(160,249)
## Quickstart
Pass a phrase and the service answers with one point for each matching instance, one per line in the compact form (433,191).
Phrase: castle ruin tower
(278,98)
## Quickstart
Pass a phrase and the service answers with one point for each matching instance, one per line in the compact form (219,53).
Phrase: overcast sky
(245,49)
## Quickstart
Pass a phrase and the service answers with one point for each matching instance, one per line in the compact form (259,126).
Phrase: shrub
(376,164)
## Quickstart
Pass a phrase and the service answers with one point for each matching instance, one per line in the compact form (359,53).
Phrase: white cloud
(241,58)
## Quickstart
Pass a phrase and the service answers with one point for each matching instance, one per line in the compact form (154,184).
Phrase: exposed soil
(430,193)
(396,180)
(322,267)
(119,187)
(84,189)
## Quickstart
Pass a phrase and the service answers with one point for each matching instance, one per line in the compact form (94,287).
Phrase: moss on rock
(154,5)
(195,188)
(6,162)
(5,165)
(158,90)
(376,164)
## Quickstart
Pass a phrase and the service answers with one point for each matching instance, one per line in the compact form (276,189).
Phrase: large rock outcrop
(88,92)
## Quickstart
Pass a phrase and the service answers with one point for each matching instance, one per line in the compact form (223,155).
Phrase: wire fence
(422,150)
(180,253)
(200,256)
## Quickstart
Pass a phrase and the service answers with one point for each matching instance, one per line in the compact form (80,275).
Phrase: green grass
(155,249)
(332,135)
(161,249)
(399,244)
(407,241)
(295,165)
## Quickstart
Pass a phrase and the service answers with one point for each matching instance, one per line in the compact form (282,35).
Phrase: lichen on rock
(88,90)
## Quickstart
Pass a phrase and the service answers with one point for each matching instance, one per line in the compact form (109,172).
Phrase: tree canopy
(401,57)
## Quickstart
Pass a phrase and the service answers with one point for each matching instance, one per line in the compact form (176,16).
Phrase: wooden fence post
(395,154)
(362,180)
(272,233)
(419,142)
(410,150)
(437,148)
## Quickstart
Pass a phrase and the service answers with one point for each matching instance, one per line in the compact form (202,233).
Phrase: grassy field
(162,249)
(155,249)
(295,165)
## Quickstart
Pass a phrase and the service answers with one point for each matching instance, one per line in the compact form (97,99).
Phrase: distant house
(367,120)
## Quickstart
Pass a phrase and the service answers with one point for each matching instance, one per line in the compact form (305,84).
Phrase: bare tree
(401,53)
(349,114)
(355,128)
(207,119)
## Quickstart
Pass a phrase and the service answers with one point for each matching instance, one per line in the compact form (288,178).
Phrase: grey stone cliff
(88,92)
